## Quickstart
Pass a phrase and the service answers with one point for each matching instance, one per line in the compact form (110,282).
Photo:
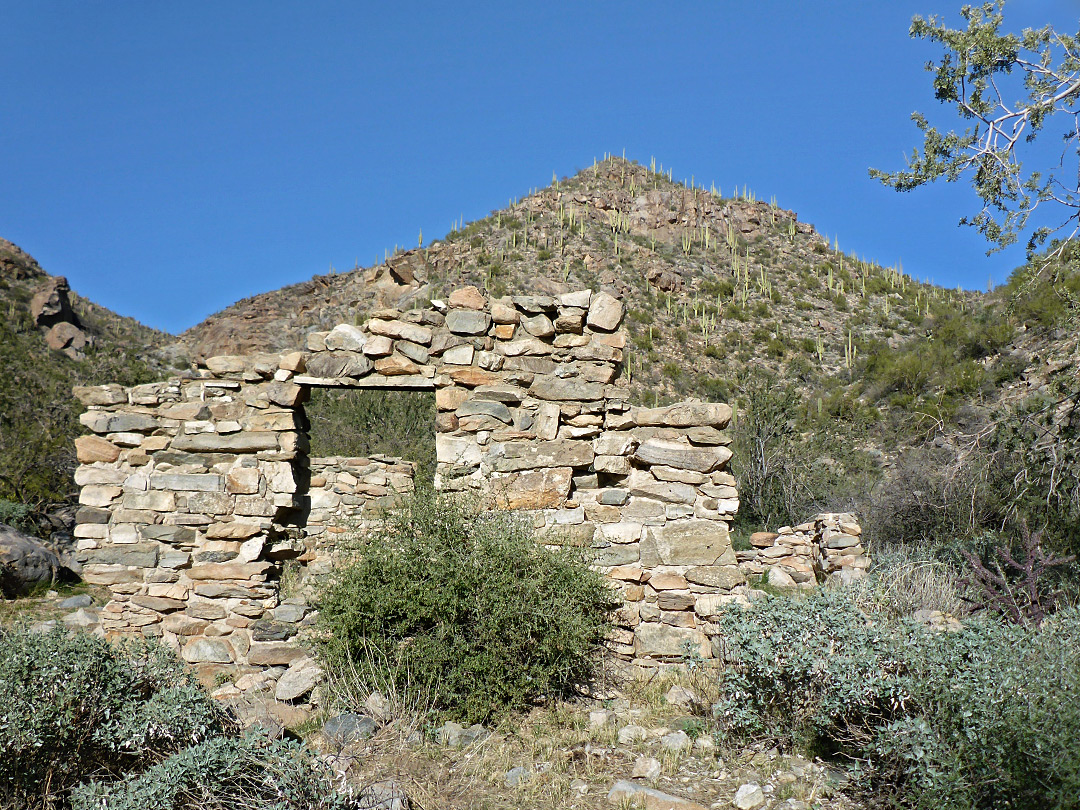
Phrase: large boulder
(25,563)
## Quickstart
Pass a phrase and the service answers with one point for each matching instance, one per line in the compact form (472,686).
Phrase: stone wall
(827,548)
(343,495)
(196,490)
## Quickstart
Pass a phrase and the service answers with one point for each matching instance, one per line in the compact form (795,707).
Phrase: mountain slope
(50,340)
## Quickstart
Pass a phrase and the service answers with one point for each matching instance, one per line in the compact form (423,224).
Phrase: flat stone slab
(648,798)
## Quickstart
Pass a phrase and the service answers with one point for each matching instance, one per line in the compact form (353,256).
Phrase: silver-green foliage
(986,717)
(74,705)
(252,772)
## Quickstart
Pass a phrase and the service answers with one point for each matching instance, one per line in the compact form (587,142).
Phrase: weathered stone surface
(546,422)
(274,653)
(707,435)
(635,795)
(298,680)
(339,364)
(667,491)
(467,298)
(159,604)
(229,570)
(536,489)
(207,651)
(458,451)
(667,600)
(724,577)
(346,336)
(98,496)
(377,346)
(234,530)
(183,625)
(605,312)
(24,563)
(100,394)
(153,500)
(682,456)
(472,377)
(89,449)
(468,322)
(348,728)
(242,481)
(177,482)
(481,407)
(673,474)
(763,539)
(539,326)
(683,414)
(651,639)
(550,387)
(532,455)
(245,442)
(168,534)
(459,355)
(690,542)
(66,337)
(779,578)
(267,630)
(749,797)
(399,330)
(140,555)
(396,366)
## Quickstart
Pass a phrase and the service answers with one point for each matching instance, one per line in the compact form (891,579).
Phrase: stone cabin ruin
(195,492)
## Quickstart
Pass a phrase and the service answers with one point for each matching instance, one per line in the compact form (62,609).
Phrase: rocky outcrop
(51,304)
(16,264)
(51,310)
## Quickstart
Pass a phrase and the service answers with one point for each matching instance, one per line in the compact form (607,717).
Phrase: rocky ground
(647,745)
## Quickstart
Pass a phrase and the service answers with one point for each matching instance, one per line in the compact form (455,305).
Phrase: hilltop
(704,276)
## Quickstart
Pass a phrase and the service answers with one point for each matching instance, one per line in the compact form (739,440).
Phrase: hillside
(853,378)
(50,340)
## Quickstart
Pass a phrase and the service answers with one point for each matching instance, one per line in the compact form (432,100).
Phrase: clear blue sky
(171,158)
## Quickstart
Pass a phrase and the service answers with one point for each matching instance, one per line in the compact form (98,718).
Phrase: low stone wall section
(344,495)
(826,548)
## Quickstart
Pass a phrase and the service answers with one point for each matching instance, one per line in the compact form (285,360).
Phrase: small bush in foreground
(465,610)
(251,772)
(75,706)
(986,717)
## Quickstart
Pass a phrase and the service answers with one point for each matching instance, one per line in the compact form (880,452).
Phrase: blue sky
(171,158)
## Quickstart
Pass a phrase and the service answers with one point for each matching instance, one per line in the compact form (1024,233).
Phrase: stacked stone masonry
(827,548)
(196,491)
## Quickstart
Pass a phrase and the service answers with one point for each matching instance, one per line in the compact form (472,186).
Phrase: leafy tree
(980,73)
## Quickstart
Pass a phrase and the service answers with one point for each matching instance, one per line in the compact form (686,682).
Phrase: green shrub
(464,610)
(981,718)
(223,773)
(75,706)
(16,515)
